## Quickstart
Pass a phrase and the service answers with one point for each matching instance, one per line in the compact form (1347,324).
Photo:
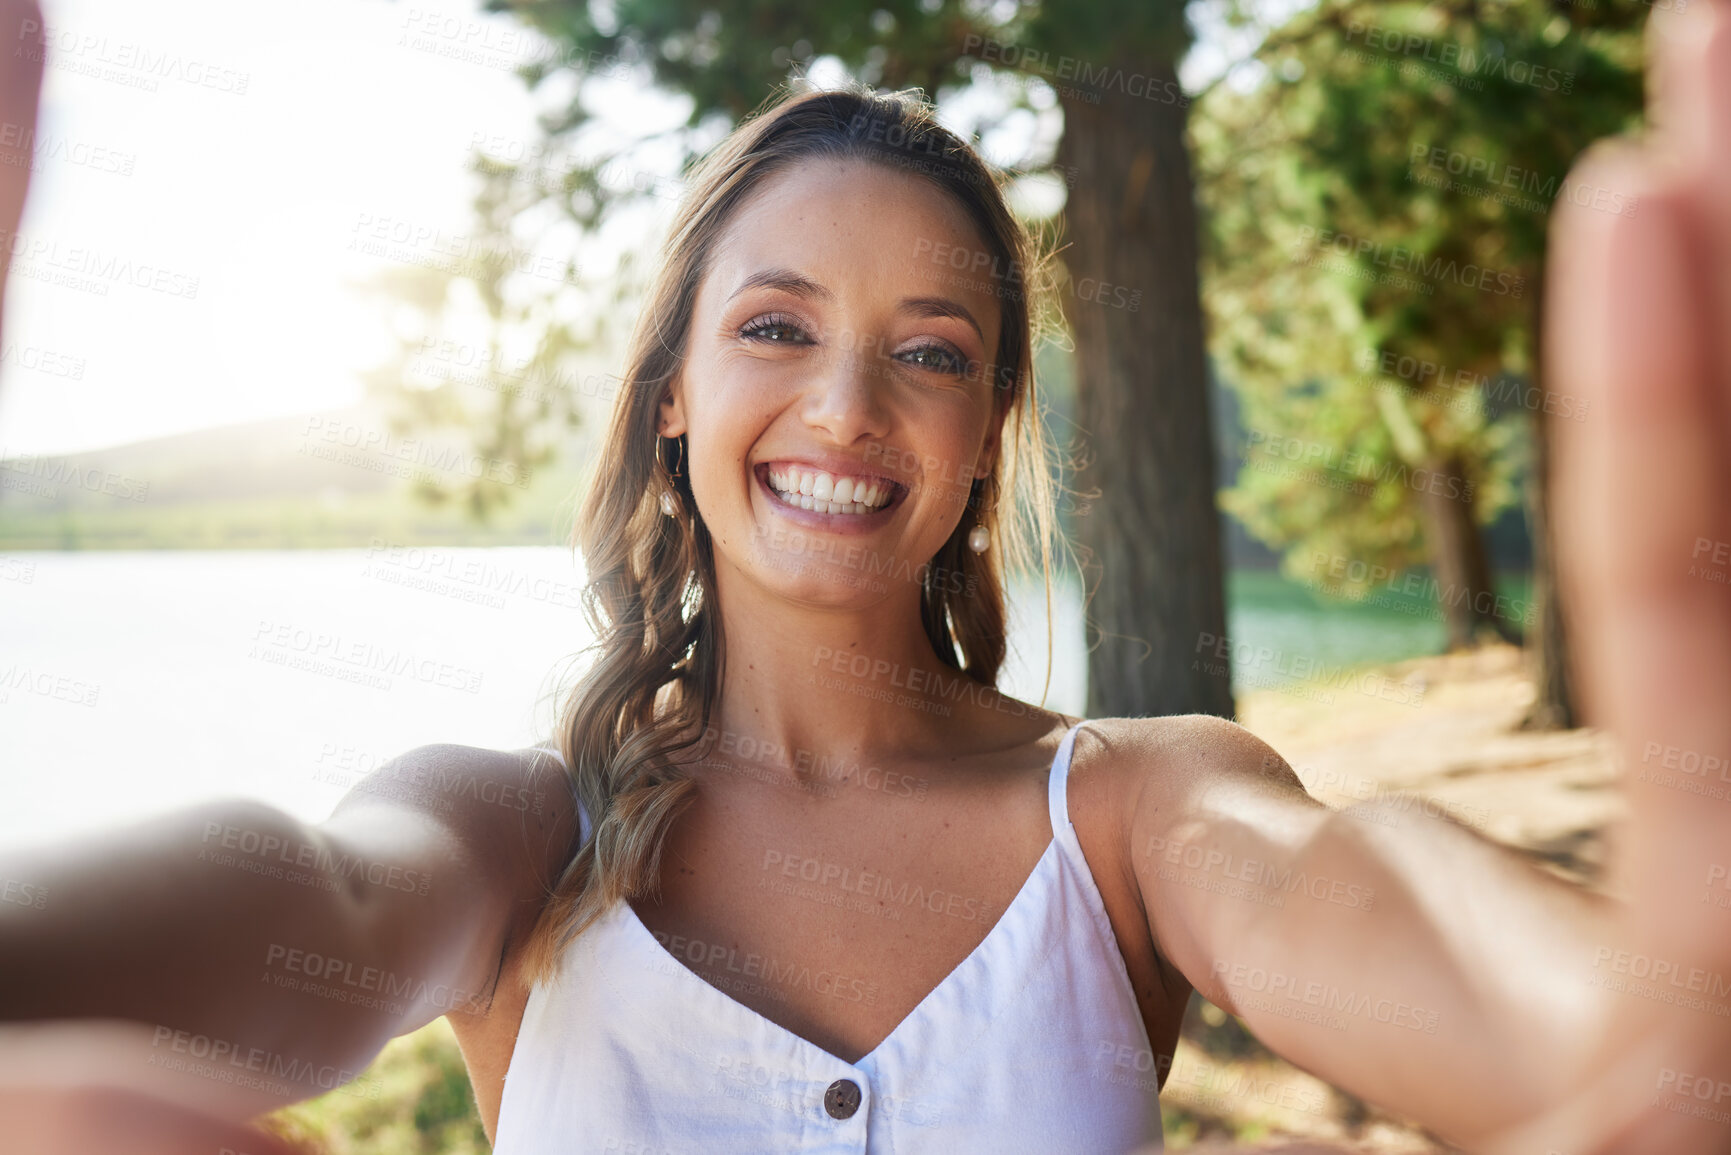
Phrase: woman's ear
(988,458)
(671,420)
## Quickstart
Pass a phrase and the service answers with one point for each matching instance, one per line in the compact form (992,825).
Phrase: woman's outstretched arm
(253,959)
(1389,951)
(1526,1017)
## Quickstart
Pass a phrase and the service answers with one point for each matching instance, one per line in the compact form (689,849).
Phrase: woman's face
(837,394)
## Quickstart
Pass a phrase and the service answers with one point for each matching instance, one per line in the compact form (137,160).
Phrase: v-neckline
(764,1022)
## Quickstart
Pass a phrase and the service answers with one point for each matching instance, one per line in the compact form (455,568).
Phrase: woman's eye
(936,358)
(775,331)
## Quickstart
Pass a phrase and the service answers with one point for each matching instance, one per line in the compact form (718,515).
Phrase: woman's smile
(840,500)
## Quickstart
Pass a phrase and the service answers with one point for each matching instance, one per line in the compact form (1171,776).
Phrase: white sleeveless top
(1033,1043)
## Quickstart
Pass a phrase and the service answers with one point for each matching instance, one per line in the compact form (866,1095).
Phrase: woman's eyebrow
(787,281)
(940,307)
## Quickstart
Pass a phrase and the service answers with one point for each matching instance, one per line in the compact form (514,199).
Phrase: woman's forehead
(858,225)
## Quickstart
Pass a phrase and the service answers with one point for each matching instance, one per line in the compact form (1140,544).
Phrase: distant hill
(325,479)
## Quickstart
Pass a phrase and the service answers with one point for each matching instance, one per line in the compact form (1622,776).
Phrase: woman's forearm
(199,924)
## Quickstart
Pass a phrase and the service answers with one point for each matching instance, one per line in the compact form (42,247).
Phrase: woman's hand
(1638,328)
(73,1088)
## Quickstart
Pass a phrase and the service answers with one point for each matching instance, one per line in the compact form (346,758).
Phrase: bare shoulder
(507,818)
(1175,762)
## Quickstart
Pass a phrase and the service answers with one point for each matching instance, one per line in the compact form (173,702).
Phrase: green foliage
(1376,205)
(414,1099)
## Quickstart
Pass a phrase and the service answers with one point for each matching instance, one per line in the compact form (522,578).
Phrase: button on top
(841,1100)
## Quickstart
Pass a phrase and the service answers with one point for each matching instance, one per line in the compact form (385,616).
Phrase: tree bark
(1554,702)
(1462,569)
(1150,544)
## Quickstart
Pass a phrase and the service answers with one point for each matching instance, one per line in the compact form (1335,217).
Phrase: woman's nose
(846,395)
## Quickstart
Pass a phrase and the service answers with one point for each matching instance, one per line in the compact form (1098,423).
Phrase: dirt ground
(1451,737)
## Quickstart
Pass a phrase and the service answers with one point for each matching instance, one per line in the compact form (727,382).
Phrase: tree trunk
(1554,703)
(1150,545)
(1459,563)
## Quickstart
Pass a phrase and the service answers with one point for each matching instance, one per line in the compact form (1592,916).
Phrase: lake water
(132,683)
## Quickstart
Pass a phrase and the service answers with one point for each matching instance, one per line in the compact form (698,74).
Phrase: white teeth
(825,493)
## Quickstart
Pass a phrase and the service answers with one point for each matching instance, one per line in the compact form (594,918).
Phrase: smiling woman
(796,876)
(795,333)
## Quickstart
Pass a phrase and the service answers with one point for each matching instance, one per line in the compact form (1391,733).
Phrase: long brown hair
(650,595)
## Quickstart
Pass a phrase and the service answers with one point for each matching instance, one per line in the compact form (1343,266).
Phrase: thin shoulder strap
(1057,794)
(565,778)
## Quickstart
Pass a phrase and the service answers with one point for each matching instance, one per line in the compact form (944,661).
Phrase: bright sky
(228,155)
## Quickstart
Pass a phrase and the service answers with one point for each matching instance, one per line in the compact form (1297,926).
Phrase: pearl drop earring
(980,538)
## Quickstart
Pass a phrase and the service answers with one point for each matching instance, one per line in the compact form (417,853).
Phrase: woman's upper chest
(834,913)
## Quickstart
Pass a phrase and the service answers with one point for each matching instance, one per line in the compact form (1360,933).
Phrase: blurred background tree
(1376,219)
